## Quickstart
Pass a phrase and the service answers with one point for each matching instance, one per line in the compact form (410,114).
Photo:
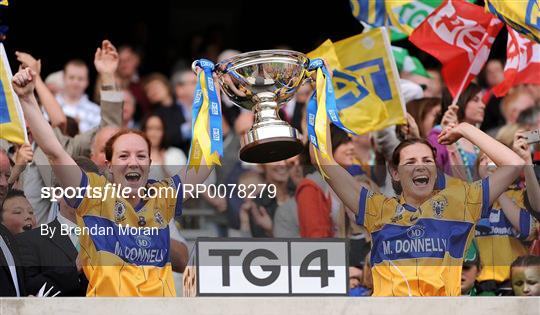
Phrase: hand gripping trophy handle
(263,81)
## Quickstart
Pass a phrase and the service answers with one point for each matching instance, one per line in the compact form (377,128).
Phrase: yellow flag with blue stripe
(360,109)
(368,57)
(378,13)
(521,15)
(12,126)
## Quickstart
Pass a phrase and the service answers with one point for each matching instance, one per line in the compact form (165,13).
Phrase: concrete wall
(281,306)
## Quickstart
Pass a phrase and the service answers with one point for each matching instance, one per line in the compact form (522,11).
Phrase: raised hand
(450,134)
(521,147)
(24,154)
(410,130)
(29,61)
(262,218)
(106,59)
(450,116)
(24,83)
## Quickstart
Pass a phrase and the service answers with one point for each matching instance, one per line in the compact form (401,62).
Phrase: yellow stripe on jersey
(125,250)
(420,251)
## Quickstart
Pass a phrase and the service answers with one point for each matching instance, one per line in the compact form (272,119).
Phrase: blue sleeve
(76,201)
(486,207)
(179,195)
(362,203)
(524,224)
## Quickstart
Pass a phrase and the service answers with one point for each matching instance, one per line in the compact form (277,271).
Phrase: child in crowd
(526,276)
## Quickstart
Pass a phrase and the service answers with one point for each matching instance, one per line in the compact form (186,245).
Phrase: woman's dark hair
(420,107)
(339,137)
(468,94)
(163,144)
(305,160)
(397,151)
(110,143)
(394,162)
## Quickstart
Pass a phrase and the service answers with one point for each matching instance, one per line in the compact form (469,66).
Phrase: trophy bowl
(263,81)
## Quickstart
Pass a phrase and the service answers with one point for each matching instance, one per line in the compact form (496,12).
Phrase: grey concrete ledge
(273,305)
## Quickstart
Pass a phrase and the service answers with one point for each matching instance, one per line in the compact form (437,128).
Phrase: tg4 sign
(267,267)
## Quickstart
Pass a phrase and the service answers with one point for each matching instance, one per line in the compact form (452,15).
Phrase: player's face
(526,281)
(416,172)
(130,161)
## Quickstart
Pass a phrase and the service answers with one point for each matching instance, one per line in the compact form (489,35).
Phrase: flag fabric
(408,63)
(366,61)
(12,126)
(408,13)
(522,63)
(459,34)
(522,15)
(360,110)
(368,56)
(4,2)
(378,13)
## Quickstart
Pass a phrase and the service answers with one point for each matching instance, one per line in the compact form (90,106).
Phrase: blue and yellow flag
(360,109)
(368,58)
(12,126)
(522,15)
(378,13)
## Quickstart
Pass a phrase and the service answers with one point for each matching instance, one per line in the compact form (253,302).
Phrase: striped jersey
(125,250)
(501,244)
(420,251)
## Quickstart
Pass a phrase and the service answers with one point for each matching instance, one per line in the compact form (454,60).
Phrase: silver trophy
(263,81)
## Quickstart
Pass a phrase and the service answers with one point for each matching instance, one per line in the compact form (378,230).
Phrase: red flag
(522,63)
(459,34)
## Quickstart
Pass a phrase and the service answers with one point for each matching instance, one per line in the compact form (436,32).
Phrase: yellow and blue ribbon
(322,106)
(207,141)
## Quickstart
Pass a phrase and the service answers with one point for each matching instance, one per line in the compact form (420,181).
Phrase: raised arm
(65,169)
(47,99)
(106,62)
(521,147)
(344,184)
(509,163)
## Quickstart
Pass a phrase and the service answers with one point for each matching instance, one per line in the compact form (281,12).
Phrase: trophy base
(270,143)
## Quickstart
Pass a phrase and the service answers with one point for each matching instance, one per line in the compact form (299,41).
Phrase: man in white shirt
(74,101)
